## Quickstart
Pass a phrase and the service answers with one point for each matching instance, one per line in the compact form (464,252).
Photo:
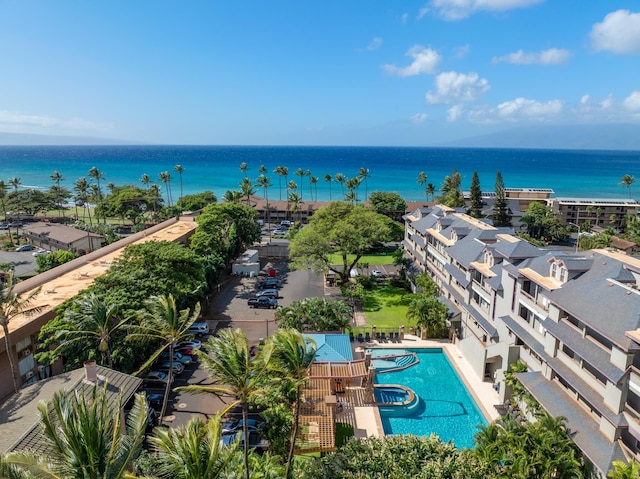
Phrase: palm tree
(192,451)
(244,168)
(296,202)
(15,182)
(262,170)
(623,470)
(363,174)
(3,195)
(429,313)
(247,190)
(422,180)
(165,177)
(144,179)
(329,179)
(300,173)
(265,183)
(154,191)
(179,169)
(430,190)
(292,187)
(97,175)
(13,305)
(292,357)
(57,178)
(161,321)
(95,321)
(307,173)
(232,196)
(281,171)
(352,185)
(235,373)
(81,188)
(86,438)
(313,181)
(628,180)
(340,179)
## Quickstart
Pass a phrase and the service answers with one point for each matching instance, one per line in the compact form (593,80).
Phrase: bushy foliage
(315,314)
(52,260)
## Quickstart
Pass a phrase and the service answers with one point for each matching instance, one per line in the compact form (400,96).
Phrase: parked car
(198,329)
(377,273)
(183,359)
(163,366)
(41,252)
(286,224)
(155,379)
(269,293)
(4,226)
(154,399)
(263,302)
(25,247)
(255,441)
(270,283)
(193,344)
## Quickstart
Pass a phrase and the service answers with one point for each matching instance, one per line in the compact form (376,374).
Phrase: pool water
(445,406)
(390,395)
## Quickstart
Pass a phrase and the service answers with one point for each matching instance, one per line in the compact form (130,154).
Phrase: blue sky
(315,73)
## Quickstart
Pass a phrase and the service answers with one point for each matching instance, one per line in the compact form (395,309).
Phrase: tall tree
(329,179)
(13,305)
(340,179)
(626,181)
(161,321)
(15,183)
(307,173)
(57,178)
(165,177)
(429,313)
(192,451)
(264,182)
(430,190)
(422,180)
(234,372)
(81,189)
(363,175)
(144,179)
(282,172)
(501,215)
(292,356)
(96,174)
(247,190)
(296,203)
(244,168)
(3,196)
(313,181)
(476,196)
(300,173)
(86,438)
(94,321)
(179,169)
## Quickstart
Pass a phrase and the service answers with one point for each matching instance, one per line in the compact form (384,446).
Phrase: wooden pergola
(317,408)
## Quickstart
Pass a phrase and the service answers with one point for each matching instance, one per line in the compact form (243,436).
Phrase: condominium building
(602,212)
(570,317)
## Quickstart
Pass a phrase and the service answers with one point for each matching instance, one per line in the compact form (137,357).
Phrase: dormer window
(554,270)
(488,259)
(564,274)
(559,272)
(454,235)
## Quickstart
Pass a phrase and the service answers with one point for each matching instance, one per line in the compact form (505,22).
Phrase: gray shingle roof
(19,414)
(583,429)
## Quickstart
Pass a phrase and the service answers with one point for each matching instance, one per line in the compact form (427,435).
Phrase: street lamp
(578,238)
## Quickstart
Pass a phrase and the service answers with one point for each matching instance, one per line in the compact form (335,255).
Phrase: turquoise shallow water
(217,168)
(446,408)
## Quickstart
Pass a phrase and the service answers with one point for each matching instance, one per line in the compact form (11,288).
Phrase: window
(554,269)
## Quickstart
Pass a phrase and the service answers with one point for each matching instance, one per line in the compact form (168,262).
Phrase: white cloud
(552,56)
(632,102)
(423,11)
(454,113)
(584,100)
(419,117)
(528,109)
(460,9)
(619,32)
(425,60)
(404,17)
(23,122)
(453,87)
(374,44)
(461,51)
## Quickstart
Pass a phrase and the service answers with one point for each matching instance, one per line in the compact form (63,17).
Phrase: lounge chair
(396,335)
(391,337)
(360,338)
(351,338)
(377,336)
(383,337)
(367,337)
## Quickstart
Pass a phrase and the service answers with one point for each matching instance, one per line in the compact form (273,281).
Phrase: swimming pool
(445,406)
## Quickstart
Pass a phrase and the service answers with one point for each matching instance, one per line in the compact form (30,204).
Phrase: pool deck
(365,417)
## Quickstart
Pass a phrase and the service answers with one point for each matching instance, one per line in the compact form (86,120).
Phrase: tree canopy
(388,203)
(340,228)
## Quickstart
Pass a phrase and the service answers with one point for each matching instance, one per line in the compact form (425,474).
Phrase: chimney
(90,371)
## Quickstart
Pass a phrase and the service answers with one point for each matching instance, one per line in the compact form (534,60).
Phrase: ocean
(569,173)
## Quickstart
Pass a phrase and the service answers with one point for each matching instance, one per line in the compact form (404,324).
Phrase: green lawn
(371,259)
(386,307)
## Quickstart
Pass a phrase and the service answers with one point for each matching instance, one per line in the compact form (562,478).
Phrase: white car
(376,273)
(198,329)
(41,252)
